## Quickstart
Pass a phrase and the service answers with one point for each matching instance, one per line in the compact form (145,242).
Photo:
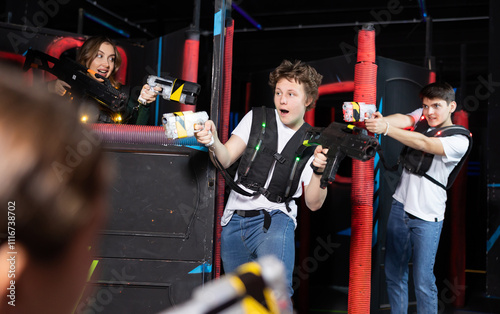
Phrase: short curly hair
(302,73)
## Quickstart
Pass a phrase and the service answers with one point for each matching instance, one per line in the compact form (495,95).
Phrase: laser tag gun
(181,124)
(174,89)
(76,75)
(255,287)
(357,111)
(341,140)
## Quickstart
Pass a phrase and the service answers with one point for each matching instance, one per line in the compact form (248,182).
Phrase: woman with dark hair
(101,56)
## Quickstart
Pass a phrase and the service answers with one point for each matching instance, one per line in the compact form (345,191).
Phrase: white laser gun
(174,89)
(357,111)
(181,124)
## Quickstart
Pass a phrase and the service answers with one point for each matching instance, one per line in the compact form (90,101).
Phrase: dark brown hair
(438,90)
(302,73)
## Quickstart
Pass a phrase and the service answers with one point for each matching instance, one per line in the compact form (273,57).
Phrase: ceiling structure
(306,30)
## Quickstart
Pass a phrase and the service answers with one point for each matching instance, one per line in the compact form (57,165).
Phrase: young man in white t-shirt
(417,213)
(243,238)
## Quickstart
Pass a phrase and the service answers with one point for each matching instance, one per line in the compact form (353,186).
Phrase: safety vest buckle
(279,157)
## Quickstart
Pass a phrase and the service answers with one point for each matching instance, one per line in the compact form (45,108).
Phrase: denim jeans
(243,240)
(407,235)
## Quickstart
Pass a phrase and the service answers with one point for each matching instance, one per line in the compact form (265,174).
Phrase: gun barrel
(341,141)
(75,74)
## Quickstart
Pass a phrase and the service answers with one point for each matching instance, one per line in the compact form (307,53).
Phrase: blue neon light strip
(158,71)
(245,15)
(106,24)
(493,239)
(346,232)
(494,185)
(423,9)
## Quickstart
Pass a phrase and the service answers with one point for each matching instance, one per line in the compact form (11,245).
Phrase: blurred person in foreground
(53,196)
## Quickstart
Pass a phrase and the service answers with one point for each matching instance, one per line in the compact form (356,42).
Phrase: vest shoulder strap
(262,144)
(419,162)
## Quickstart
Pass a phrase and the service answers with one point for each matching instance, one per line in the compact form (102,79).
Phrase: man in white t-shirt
(417,213)
(259,225)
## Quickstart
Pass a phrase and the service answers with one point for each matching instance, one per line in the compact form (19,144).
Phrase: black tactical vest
(261,153)
(419,162)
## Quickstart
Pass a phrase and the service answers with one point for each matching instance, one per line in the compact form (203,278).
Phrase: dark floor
(334,299)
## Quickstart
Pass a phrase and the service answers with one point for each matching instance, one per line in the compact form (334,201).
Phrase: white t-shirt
(237,201)
(420,196)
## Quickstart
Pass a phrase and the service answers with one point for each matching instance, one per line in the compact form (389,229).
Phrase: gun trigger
(306,143)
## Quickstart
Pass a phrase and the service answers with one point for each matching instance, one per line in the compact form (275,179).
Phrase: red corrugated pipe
(190,63)
(365,79)
(137,134)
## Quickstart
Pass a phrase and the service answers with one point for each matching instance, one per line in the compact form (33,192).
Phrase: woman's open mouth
(102,72)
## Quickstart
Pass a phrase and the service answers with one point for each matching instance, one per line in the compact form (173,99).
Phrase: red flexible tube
(365,87)
(333,88)
(190,66)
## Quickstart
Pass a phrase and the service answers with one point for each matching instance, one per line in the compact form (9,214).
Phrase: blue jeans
(407,234)
(243,240)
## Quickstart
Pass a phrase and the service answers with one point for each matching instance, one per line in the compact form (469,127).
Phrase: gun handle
(332,166)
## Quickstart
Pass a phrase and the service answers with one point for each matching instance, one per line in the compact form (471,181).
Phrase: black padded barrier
(158,242)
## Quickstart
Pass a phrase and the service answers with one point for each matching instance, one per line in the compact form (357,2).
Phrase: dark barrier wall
(493,151)
(157,245)
(398,85)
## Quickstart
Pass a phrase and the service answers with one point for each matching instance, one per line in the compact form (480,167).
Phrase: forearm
(314,195)
(381,125)
(417,141)
(399,120)
(221,152)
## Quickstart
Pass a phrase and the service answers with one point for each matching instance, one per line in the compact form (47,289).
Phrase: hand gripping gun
(341,140)
(77,76)
(174,89)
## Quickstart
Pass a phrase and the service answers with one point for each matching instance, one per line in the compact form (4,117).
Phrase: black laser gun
(76,75)
(341,140)
(174,89)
